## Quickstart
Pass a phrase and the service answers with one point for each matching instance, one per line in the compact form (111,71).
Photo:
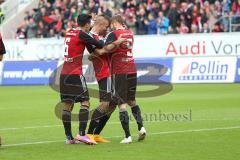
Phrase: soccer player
(124,76)
(73,88)
(2,48)
(102,113)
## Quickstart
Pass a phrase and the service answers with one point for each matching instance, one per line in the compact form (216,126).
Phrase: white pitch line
(156,133)
(44,126)
(197,130)
(60,125)
(109,123)
(31,143)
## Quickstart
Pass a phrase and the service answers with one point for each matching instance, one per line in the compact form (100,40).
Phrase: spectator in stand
(104,9)
(31,28)
(141,22)
(183,29)
(194,28)
(196,19)
(151,25)
(130,18)
(236,7)
(218,8)
(203,16)
(205,28)
(53,17)
(22,30)
(226,6)
(236,11)
(163,23)
(225,21)
(174,17)
(186,14)
(42,31)
(217,28)
(164,7)
(212,14)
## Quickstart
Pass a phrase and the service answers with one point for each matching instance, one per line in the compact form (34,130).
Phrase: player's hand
(91,57)
(121,40)
(1,57)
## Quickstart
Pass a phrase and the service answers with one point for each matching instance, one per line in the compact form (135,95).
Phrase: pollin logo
(204,70)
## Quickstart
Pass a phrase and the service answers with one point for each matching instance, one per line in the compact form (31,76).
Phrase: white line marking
(31,143)
(109,123)
(156,133)
(60,125)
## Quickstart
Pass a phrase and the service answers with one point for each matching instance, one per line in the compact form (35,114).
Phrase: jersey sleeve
(90,40)
(91,48)
(110,38)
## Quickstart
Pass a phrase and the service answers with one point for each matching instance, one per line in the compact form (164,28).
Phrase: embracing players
(124,75)
(73,88)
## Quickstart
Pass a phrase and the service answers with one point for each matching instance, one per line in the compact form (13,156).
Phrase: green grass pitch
(30,130)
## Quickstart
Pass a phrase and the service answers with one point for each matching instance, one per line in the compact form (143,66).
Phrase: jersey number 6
(67,40)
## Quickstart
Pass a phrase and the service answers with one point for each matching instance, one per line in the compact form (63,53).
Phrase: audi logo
(50,51)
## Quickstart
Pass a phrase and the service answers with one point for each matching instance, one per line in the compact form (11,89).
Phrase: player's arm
(90,40)
(91,48)
(2,49)
(112,42)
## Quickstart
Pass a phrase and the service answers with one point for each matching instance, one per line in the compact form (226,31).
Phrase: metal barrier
(233,23)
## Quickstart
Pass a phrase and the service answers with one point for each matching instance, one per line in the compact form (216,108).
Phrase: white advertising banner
(189,45)
(34,49)
(204,70)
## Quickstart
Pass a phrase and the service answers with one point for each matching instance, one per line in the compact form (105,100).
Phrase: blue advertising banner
(27,72)
(1,70)
(154,70)
(237,78)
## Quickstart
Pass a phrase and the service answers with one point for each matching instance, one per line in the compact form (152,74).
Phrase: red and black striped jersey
(75,43)
(122,61)
(100,64)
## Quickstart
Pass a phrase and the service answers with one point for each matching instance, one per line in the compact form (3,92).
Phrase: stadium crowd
(53,17)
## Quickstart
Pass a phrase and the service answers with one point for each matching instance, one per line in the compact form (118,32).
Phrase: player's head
(102,23)
(117,21)
(84,21)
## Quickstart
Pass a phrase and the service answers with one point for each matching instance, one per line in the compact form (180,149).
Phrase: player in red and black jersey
(2,48)
(124,75)
(73,86)
(101,66)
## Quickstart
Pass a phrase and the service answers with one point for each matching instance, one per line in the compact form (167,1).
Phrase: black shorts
(105,89)
(124,88)
(73,88)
